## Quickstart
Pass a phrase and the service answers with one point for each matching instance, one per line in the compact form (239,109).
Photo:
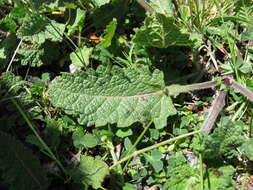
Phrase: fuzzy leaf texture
(38,55)
(160,31)
(21,169)
(91,172)
(38,29)
(117,95)
(224,140)
(185,177)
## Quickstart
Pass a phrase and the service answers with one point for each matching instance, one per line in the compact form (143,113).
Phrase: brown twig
(146,6)
(213,112)
(230,82)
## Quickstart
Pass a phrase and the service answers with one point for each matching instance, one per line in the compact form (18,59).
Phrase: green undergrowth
(112,94)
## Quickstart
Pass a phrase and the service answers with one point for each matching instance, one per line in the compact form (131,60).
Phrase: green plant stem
(201,173)
(154,146)
(136,143)
(29,123)
(251,127)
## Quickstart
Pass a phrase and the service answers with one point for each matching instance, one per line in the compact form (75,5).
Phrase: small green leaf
(154,134)
(160,31)
(248,34)
(91,172)
(84,140)
(247,149)
(155,160)
(109,33)
(81,56)
(101,2)
(78,23)
(13,18)
(124,133)
(128,186)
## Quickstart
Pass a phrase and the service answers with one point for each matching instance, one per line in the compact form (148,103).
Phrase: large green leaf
(118,95)
(19,167)
(91,171)
(38,29)
(160,31)
(37,55)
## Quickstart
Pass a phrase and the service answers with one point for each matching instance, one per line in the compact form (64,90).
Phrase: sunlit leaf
(117,95)
(160,31)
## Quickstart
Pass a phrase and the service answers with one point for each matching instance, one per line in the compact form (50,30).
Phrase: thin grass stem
(29,123)
(136,153)
(137,142)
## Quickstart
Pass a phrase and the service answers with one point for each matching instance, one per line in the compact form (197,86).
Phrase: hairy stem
(244,91)
(175,90)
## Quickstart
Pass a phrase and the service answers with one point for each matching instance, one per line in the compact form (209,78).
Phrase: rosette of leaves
(113,95)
